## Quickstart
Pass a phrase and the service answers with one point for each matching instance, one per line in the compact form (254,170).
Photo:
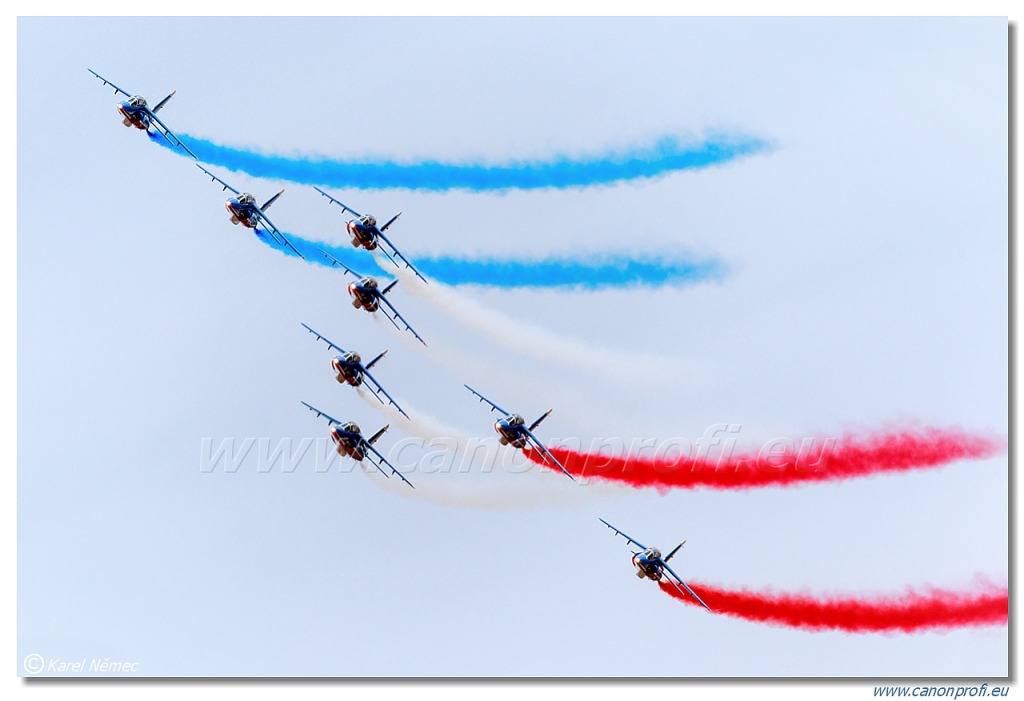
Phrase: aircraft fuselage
(363,297)
(510,431)
(362,236)
(240,213)
(347,444)
(133,116)
(347,372)
(645,568)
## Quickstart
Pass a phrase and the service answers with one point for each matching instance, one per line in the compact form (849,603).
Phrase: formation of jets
(368,295)
(244,209)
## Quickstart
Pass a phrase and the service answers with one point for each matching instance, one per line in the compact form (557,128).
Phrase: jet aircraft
(135,112)
(349,369)
(243,210)
(512,430)
(366,234)
(651,565)
(367,295)
(349,441)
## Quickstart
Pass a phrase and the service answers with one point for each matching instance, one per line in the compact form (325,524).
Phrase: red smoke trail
(984,604)
(781,463)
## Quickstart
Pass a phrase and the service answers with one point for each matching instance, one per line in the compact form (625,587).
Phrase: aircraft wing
(344,206)
(545,452)
(388,315)
(690,591)
(384,461)
(330,419)
(276,233)
(398,317)
(494,407)
(378,390)
(395,253)
(635,542)
(325,340)
(170,136)
(224,184)
(338,263)
(107,82)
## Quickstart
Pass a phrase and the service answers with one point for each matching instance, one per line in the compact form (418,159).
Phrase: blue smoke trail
(589,272)
(664,156)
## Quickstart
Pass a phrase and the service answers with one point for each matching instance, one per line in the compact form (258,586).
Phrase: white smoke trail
(451,357)
(522,337)
(418,424)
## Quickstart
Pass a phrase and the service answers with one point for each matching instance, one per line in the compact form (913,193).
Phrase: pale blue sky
(869,286)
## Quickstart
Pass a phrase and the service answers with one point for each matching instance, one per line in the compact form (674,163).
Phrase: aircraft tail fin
(374,361)
(390,222)
(272,200)
(163,102)
(378,434)
(536,423)
(388,288)
(675,551)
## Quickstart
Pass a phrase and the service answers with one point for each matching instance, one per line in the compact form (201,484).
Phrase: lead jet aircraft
(348,439)
(243,210)
(512,430)
(135,112)
(651,565)
(349,369)
(365,234)
(367,295)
